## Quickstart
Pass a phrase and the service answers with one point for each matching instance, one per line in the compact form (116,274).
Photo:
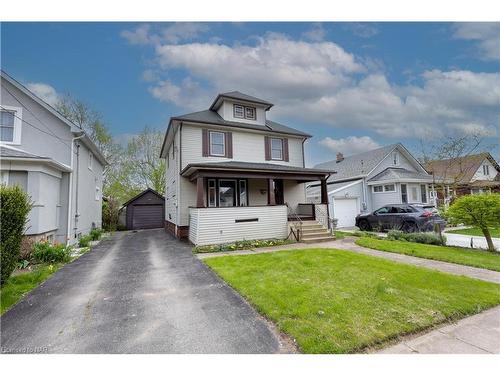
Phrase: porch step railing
(295,224)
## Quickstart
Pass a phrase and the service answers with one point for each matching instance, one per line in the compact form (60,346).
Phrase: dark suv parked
(405,217)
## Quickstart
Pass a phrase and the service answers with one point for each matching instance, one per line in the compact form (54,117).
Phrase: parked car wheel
(364,225)
(409,227)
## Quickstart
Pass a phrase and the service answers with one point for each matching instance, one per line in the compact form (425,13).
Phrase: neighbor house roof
(211,117)
(74,128)
(13,154)
(238,96)
(239,166)
(148,190)
(359,165)
(459,170)
(396,174)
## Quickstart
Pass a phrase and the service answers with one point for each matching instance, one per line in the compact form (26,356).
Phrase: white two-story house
(233,174)
(367,181)
(54,161)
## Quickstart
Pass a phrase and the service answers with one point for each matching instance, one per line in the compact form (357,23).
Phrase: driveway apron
(138,292)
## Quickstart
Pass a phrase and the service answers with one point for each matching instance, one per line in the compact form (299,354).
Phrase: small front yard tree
(15,207)
(482,211)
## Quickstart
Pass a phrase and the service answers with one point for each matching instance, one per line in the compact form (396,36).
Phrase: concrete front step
(315,234)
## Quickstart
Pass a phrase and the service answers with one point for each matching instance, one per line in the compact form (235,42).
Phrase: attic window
(486,170)
(248,113)
(395,158)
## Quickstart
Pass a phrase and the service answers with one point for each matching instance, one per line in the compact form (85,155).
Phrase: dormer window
(395,158)
(239,111)
(248,113)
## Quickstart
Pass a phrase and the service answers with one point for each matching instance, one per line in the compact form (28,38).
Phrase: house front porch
(247,201)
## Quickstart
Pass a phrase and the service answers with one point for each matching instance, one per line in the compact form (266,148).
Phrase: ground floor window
(404,194)
(423,193)
(227,192)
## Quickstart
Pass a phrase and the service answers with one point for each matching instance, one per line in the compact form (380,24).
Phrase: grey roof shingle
(211,117)
(11,153)
(391,174)
(240,96)
(357,165)
(256,166)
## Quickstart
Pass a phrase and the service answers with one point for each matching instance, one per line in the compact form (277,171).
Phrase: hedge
(15,207)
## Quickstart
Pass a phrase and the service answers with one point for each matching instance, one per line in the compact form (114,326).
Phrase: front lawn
(334,301)
(459,255)
(18,285)
(495,232)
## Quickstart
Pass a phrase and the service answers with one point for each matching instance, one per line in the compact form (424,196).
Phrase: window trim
(91,160)
(378,186)
(214,187)
(254,116)
(486,169)
(384,190)
(423,193)
(237,192)
(210,153)
(16,133)
(395,158)
(282,148)
(405,193)
(242,111)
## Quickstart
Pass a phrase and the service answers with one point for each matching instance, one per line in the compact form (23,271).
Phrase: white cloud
(316,34)
(363,30)
(45,92)
(487,34)
(174,33)
(320,82)
(350,145)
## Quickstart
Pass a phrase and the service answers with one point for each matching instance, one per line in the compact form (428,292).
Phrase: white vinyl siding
(218,225)
(247,147)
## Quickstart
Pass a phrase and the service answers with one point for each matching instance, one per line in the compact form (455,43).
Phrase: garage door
(147,216)
(345,210)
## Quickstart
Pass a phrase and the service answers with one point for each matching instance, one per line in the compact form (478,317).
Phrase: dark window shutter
(229,145)
(285,150)
(205,142)
(267,147)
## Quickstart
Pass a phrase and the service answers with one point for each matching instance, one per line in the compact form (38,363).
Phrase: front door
(278,192)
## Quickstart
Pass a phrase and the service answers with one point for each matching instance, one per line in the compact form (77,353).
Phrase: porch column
(200,192)
(324,191)
(271,199)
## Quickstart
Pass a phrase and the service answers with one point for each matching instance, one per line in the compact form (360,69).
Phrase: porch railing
(295,224)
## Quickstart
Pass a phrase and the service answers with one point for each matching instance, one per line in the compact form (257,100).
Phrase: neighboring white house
(53,161)
(233,174)
(372,179)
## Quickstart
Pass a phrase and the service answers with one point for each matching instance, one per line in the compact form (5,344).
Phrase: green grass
(334,301)
(459,255)
(17,286)
(495,232)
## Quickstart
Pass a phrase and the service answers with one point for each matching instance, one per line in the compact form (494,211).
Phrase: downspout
(76,185)
(70,188)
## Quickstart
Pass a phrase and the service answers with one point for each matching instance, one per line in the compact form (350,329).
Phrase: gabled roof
(74,128)
(236,95)
(395,174)
(359,165)
(142,193)
(459,170)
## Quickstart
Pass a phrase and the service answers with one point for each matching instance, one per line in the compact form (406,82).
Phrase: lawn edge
(422,257)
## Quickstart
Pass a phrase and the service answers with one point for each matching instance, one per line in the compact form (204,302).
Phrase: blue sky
(354,86)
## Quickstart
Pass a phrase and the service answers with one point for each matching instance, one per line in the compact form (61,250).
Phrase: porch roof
(253,170)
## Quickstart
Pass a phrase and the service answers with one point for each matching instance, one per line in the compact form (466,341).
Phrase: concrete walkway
(348,244)
(477,334)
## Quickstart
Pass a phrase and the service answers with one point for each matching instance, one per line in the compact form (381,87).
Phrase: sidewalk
(477,334)
(348,244)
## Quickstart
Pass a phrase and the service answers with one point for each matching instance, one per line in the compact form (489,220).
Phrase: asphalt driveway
(138,292)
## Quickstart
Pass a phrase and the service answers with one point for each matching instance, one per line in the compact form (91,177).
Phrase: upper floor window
(486,170)
(276,148)
(217,144)
(10,124)
(91,160)
(248,113)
